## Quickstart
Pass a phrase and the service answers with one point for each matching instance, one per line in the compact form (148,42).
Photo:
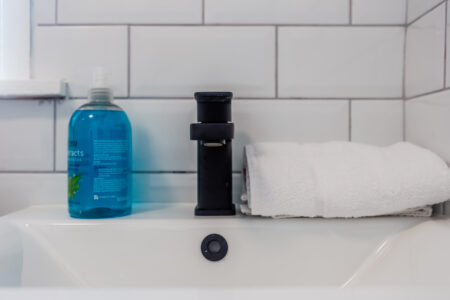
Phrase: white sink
(159,246)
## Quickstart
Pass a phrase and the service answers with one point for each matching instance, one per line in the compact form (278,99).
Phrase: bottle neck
(100,95)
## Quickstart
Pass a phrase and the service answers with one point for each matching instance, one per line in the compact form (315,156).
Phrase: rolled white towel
(342,179)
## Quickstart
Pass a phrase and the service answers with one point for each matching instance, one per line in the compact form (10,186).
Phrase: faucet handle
(212,131)
(213,107)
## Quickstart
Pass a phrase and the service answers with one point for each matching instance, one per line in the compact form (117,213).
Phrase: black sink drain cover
(214,247)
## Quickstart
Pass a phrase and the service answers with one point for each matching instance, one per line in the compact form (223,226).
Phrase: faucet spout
(214,133)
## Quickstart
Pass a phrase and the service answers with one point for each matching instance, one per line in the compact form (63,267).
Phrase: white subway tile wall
(288,120)
(277,12)
(340,62)
(72,52)
(130,12)
(417,8)
(425,42)
(26,134)
(161,128)
(301,70)
(427,120)
(21,190)
(377,122)
(379,11)
(177,61)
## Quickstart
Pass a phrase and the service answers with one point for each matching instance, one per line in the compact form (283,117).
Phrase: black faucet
(213,133)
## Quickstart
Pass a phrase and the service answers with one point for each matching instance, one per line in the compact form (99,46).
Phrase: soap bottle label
(98,171)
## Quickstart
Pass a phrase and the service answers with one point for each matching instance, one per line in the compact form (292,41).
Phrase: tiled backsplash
(303,70)
(72,52)
(427,105)
(161,128)
(176,61)
(417,8)
(425,46)
(340,62)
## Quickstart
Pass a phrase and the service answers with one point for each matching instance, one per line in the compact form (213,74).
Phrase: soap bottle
(99,156)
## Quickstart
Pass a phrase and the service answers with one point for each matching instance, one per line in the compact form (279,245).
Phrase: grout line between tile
(144,98)
(203,11)
(427,93)
(252,98)
(406,12)
(404,63)
(133,172)
(404,121)
(54,135)
(276,61)
(375,99)
(404,73)
(445,44)
(222,25)
(350,120)
(30,64)
(350,12)
(56,11)
(320,98)
(40,98)
(164,172)
(425,13)
(31,172)
(128,59)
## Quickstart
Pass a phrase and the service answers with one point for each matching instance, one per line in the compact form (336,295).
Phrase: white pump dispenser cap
(100,90)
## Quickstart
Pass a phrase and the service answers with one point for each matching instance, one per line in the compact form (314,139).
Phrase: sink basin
(159,246)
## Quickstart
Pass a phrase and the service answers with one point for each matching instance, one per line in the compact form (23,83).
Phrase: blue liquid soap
(99,159)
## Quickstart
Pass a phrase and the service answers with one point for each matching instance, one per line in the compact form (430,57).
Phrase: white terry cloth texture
(342,180)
